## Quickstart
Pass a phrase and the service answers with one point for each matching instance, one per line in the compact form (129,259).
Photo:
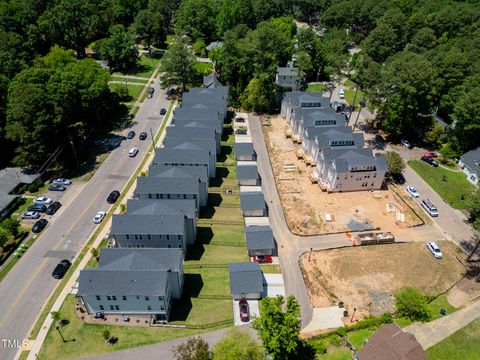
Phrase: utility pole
(70,140)
(475,247)
(353,106)
(358,115)
(153,139)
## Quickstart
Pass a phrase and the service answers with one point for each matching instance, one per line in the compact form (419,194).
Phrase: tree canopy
(177,64)
(238,345)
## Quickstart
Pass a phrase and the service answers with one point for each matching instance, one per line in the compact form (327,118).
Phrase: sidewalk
(431,333)
(34,346)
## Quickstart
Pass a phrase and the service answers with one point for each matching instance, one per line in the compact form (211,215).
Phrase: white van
(431,209)
(341,94)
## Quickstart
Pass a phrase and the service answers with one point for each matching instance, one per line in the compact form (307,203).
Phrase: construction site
(311,211)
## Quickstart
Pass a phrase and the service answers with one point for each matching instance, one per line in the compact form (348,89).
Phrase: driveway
(253,307)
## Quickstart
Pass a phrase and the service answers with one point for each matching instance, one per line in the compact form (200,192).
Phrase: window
(158,196)
(109,298)
(168,237)
(169,246)
(149,308)
(180,246)
(179,237)
(112,308)
(149,237)
(117,307)
(127,237)
(138,297)
(136,237)
(160,298)
(149,196)
(98,297)
(162,308)
(114,298)
(129,245)
(124,298)
(101,307)
(140,237)
(147,298)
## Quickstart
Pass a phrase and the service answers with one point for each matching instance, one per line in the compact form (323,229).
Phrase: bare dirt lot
(366,278)
(306,206)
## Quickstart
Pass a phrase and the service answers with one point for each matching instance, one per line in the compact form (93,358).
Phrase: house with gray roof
(302,99)
(305,118)
(193,172)
(247,173)
(214,45)
(187,155)
(287,77)
(192,133)
(149,231)
(252,203)
(126,292)
(246,280)
(356,169)
(244,151)
(217,127)
(149,187)
(259,240)
(160,207)
(470,164)
(197,112)
(10,181)
(211,81)
(210,145)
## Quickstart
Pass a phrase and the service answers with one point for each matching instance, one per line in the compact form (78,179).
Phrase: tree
(196,18)
(467,115)
(106,334)
(258,95)
(412,304)
(279,326)
(238,345)
(94,252)
(433,137)
(395,163)
(119,49)
(4,237)
(304,65)
(11,225)
(72,24)
(177,64)
(195,348)
(474,207)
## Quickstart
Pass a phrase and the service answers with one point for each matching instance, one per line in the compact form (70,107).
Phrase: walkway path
(431,333)
(123,82)
(130,77)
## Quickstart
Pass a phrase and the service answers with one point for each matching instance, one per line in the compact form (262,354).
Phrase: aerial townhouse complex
(143,270)
(337,154)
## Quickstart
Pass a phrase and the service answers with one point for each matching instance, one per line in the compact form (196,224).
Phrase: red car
(263,259)
(244,310)
(430,155)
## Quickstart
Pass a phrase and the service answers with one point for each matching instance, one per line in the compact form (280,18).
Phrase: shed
(253,204)
(259,240)
(246,280)
(247,173)
(244,151)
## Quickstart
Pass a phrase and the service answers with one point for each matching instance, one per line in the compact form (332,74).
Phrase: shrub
(35,186)
(106,334)
(11,225)
(412,304)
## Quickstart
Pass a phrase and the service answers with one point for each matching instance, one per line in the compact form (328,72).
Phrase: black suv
(39,225)
(131,134)
(429,160)
(37,208)
(163,111)
(112,198)
(52,209)
(61,269)
(143,135)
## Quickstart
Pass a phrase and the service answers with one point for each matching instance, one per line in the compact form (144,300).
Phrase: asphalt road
(29,284)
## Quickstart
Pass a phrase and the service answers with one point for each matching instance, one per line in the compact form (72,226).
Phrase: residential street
(29,284)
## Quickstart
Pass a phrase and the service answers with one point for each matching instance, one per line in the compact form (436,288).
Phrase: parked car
(240,120)
(435,250)
(62,181)
(52,209)
(430,154)
(263,259)
(143,135)
(99,315)
(39,225)
(57,187)
(40,200)
(131,134)
(61,269)
(133,152)
(429,161)
(429,207)
(406,143)
(244,310)
(163,111)
(37,208)
(99,216)
(241,132)
(30,215)
(412,191)
(112,198)
(341,94)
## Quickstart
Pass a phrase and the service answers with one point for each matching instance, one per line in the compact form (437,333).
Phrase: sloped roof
(210,145)
(249,171)
(211,81)
(182,156)
(243,148)
(287,71)
(245,278)
(120,259)
(177,132)
(11,177)
(259,238)
(162,185)
(252,201)
(214,45)
(162,170)
(148,224)
(183,207)
(98,282)
(213,124)
(472,160)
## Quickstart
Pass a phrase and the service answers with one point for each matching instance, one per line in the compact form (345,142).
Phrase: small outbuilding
(246,281)
(244,151)
(247,173)
(253,204)
(259,240)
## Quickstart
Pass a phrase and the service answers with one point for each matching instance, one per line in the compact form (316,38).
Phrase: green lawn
(315,87)
(441,303)
(343,354)
(271,269)
(89,340)
(203,68)
(350,95)
(357,338)
(452,186)
(461,345)
(145,67)
(349,83)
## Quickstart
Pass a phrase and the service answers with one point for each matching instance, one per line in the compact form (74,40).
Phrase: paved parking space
(253,307)
(325,318)
(273,285)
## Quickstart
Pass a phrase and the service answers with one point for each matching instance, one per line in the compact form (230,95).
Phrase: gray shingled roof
(11,177)
(121,259)
(252,200)
(181,156)
(177,132)
(472,160)
(183,207)
(211,81)
(214,45)
(213,124)
(245,172)
(245,278)
(210,145)
(220,92)
(287,71)
(243,149)
(259,237)
(161,185)
(98,282)
(199,112)
(200,172)
(148,224)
